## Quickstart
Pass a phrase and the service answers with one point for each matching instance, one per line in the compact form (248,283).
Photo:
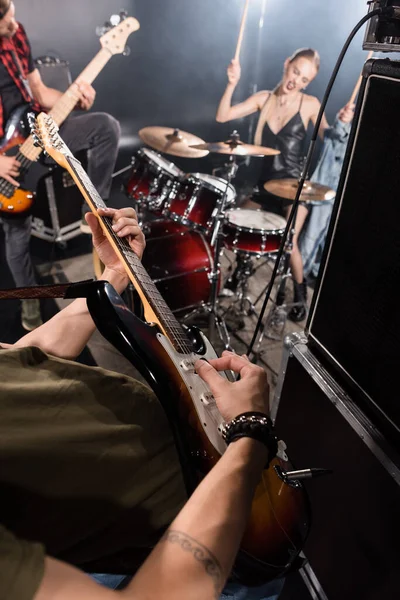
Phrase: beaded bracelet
(255,425)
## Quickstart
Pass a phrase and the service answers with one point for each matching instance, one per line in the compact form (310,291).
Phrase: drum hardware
(216,322)
(196,201)
(234,148)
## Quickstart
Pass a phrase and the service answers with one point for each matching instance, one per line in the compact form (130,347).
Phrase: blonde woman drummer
(285,113)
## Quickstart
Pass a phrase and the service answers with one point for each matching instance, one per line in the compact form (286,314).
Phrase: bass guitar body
(15,200)
(280,517)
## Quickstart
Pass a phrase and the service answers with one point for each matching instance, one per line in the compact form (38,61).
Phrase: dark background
(176,72)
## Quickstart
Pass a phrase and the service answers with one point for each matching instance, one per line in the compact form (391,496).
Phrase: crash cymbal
(172,141)
(287,188)
(237,148)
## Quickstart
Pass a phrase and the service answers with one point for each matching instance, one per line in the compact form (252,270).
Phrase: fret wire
(164,313)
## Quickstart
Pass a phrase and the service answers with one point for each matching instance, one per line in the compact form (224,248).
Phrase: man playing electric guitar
(90,477)
(97,131)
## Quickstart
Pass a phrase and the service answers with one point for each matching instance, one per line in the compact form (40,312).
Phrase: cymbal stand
(216,322)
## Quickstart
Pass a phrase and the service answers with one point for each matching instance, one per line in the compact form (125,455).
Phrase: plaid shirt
(19,44)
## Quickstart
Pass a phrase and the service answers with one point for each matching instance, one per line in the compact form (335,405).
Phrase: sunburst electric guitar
(17,141)
(165,354)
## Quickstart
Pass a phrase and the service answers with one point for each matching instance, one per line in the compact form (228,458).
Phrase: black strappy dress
(290,141)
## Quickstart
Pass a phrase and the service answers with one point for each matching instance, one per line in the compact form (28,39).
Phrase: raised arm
(196,554)
(227,112)
(345,115)
(67,333)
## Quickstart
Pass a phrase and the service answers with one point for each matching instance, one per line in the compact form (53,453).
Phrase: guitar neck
(67,102)
(150,296)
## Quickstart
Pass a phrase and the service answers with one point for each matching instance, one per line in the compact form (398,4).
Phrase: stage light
(383,32)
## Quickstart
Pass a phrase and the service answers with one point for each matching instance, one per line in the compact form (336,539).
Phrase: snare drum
(151,179)
(195,199)
(254,232)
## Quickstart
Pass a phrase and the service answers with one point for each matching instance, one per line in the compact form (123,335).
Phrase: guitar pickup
(187,365)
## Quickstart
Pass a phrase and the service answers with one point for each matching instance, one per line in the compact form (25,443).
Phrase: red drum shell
(195,200)
(151,179)
(179,263)
(263,239)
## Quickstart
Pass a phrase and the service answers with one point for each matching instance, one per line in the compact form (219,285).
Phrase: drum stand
(216,321)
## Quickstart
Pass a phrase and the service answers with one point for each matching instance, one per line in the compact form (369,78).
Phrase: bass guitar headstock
(45,136)
(115,32)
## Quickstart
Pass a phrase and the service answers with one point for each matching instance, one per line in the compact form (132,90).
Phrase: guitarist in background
(20,83)
(90,477)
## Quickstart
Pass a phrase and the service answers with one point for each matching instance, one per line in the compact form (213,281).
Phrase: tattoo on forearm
(200,553)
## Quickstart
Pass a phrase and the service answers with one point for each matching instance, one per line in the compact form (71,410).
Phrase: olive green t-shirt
(88,468)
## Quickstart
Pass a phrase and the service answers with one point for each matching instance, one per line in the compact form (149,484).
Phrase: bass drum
(179,262)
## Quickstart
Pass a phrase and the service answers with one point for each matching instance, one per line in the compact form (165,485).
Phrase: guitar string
(156,299)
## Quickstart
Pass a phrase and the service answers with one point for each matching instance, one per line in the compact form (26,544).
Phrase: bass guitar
(17,138)
(165,353)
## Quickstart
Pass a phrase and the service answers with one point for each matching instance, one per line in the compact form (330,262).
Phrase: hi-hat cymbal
(287,188)
(237,148)
(172,141)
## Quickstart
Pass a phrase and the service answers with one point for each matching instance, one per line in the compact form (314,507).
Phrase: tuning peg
(126,51)
(115,20)
(100,31)
(123,14)
(31,120)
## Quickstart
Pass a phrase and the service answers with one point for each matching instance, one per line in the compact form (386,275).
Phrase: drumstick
(241,32)
(357,86)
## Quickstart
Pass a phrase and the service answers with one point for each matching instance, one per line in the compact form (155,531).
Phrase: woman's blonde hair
(308,53)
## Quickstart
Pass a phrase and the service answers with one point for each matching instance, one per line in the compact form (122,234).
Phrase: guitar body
(280,517)
(15,200)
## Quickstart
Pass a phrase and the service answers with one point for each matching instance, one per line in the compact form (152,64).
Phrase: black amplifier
(354,322)
(353,549)
(54,71)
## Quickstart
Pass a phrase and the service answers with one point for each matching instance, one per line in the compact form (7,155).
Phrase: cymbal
(237,148)
(172,141)
(287,188)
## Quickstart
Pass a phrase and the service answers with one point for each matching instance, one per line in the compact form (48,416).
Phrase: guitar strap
(54,290)
(22,77)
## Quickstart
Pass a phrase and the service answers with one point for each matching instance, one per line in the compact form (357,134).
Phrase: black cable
(378,11)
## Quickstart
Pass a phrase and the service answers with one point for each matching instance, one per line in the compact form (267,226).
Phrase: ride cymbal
(287,188)
(172,141)
(237,148)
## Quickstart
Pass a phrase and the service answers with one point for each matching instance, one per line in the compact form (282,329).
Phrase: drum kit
(189,218)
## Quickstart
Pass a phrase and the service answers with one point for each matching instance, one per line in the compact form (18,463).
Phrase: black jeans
(97,132)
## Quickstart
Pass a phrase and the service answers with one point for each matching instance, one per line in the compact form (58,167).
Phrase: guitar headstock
(45,135)
(116,31)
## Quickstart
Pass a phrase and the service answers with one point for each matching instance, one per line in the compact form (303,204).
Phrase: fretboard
(67,102)
(136,270)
